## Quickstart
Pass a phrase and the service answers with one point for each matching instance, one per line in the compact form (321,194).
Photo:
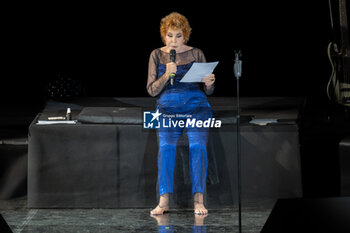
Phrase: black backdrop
(107,46)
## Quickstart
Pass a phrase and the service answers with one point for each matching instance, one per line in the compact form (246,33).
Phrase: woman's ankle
(164,200)
(198,198)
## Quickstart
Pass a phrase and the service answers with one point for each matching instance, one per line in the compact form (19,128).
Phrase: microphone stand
(238,72)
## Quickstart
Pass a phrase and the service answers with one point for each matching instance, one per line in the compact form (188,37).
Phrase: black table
(115,165)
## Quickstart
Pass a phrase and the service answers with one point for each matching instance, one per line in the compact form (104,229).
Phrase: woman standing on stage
(179,99)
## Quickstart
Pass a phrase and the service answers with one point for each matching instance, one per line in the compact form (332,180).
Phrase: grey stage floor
(23,220)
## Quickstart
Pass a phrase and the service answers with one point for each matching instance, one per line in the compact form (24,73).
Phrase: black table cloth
(115,165)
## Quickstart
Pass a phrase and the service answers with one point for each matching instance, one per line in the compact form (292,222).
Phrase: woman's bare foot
(199,207)
(159,210)
(163,206)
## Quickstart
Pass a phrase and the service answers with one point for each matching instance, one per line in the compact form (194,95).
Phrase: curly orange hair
(175,21)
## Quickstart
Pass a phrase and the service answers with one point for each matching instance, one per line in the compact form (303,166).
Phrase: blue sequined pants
(197,139)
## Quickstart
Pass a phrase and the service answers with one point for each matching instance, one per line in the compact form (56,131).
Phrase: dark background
(106,48)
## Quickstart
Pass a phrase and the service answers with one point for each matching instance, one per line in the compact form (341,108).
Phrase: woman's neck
(182,49)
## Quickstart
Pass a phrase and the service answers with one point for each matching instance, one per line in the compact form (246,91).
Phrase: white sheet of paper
(42,122)
(198,71)
(263,121)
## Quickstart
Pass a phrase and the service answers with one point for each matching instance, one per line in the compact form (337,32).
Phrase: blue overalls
(181,101)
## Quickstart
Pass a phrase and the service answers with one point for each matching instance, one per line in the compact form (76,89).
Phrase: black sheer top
(155,84)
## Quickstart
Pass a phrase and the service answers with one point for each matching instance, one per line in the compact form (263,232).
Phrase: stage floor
(23,220)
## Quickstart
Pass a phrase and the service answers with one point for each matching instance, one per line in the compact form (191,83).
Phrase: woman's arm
(207,89)
(155,85)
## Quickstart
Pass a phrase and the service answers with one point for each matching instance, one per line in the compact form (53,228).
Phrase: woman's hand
(171,68)
(209,80)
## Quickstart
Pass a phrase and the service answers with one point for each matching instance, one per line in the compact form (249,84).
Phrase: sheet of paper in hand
(198,71)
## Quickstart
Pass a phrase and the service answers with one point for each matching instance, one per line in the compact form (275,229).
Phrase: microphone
(172,59)
(238,65)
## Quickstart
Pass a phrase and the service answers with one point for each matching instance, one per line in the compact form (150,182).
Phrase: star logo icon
(156,115)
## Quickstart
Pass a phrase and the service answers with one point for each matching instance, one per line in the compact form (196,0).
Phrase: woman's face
(174,39)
